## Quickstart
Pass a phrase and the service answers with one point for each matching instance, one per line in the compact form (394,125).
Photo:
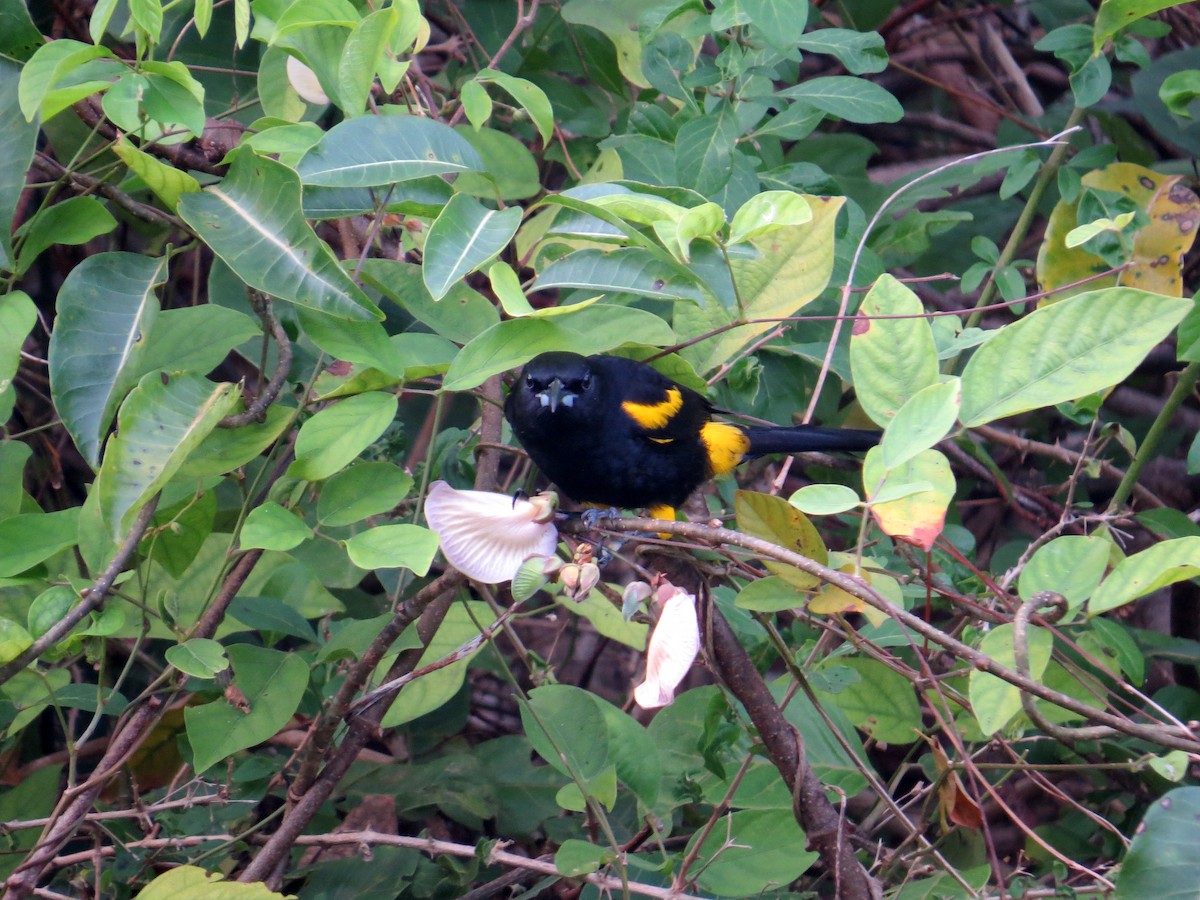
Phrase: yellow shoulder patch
(725,444)
(653,416)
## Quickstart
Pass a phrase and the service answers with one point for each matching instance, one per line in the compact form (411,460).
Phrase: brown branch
(257,411)
(86,184)
(23,880)
(1163,735)
(823,826)
(496,856)
(430,604)
(1062,454)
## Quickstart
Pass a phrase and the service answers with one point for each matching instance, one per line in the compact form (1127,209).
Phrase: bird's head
(557,383)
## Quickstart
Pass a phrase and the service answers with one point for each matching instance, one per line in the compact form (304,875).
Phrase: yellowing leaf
(1173,210)
(916,517)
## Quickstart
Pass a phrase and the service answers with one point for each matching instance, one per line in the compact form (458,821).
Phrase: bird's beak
(552,396)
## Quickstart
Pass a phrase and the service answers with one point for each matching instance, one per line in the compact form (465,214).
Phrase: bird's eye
(529,382)
(585,382)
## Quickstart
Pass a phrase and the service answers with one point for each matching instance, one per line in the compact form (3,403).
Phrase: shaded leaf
(253,220)
(378,150)
(106,309)
(158,427)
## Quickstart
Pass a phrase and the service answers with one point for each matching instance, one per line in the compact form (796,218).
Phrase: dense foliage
(272,261)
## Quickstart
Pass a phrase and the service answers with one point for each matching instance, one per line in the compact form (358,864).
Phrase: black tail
(799,438)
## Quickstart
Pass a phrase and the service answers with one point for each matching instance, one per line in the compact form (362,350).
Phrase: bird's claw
(592,517)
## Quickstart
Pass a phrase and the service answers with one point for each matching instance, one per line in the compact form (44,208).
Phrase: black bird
(611,431)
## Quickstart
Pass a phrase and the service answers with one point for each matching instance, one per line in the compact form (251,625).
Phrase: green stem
(1149,446)
(1048,172)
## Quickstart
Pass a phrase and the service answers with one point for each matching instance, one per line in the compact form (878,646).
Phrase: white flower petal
(305,83)
(487,536)
(673,647)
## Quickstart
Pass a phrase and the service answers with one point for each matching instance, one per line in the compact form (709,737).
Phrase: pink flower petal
(487,536)
(673,647)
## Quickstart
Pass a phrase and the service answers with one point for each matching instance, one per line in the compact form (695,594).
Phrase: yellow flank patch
(726,446)
(653,416)
(663,440)
(661,511)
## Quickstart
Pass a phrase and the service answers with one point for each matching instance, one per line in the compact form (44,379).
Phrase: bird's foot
(592,516)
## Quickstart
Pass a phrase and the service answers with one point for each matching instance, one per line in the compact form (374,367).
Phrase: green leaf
(18,140)
(167,182)
(14,640)
(364,52)
(462,314)
(881,702)
(253,220)
(512,172)
(1162,860)
(577,857)
(849,98)
(767,212)
(633,753)
(861,52)
(593,329)
(394,547)
(1147,571)
(74,221)
(1115,15)
(366,489)
(161,101)
(1090,83)
(704,151)
(752,851)
(379,150)
(476,103)
(106,309)
(195,883)
(567,729)
(771,594)
(630,270)
(779,22)
(1172,766)
(17,318)
(47,67)
(465,236)
(1071,565)
(49,607)
(1179,90)
(225,449)
(336,435)
(357,342)
(28,539)
(530,97)
(824,499)
(994,701)
(1072,348)
(159,425)
(272,683)
(148,15)
(194,339)
(271,527)
(198,657)
(925,418)
(892,359)
(266,614)
(789,269)
(774,519)
(461,624)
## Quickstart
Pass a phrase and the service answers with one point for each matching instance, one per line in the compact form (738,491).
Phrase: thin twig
(92,598)
(1166,736)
